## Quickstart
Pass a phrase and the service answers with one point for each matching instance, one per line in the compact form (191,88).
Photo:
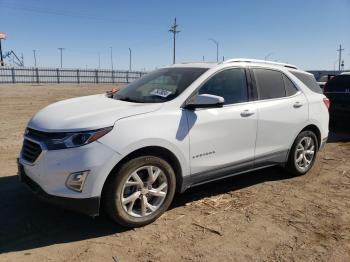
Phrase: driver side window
(231,84)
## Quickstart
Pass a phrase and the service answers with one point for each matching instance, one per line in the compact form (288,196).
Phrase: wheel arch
(315,130)
(309,127)
(158,151)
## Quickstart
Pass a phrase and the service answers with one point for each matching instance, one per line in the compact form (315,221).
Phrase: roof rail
(247,60)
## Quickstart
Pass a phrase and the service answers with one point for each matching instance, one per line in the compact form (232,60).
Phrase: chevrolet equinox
(177,127)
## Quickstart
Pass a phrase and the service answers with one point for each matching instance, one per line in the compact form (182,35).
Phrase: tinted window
(231,84)
(160,86)
(290,87)
(270,83)
(338,83)
(309,81)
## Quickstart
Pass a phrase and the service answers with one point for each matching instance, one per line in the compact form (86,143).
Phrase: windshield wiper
(127,99)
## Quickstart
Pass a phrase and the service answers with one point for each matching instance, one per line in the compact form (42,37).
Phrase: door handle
(297,104)
(246,113)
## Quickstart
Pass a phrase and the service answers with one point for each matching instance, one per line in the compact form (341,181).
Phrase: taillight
(326,102)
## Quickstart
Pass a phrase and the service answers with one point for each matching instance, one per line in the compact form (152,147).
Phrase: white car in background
(175,128)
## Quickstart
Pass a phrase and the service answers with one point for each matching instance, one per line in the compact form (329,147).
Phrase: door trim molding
(233,169)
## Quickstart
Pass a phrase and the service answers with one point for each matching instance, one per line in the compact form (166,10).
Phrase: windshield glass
(160,86)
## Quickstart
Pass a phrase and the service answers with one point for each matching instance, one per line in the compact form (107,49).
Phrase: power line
(174,31)
(59,13)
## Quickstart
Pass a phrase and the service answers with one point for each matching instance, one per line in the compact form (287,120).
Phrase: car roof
(239,62)
(258,62)
(194,65)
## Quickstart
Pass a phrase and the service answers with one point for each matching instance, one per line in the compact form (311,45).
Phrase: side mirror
(205,101)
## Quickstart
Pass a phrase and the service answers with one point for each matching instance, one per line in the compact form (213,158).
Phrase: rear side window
(290,87)
(309,81)
(338,83)
(270,83)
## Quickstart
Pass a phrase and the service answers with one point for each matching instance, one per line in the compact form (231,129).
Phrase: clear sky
(302,32)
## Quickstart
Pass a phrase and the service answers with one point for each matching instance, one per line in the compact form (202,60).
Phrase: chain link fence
(32,75)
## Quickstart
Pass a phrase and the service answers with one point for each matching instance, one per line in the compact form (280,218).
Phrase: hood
(86,113)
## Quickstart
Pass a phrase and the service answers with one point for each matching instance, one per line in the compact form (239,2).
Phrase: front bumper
(88,206)
(47,175)
(52,168)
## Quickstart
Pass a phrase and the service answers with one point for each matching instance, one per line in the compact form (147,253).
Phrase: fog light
(75,181)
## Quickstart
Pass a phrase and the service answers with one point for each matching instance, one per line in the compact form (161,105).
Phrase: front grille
(30,151)
(42,136)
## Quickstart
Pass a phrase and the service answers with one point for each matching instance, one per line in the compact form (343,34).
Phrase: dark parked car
(337,90)
(324,79)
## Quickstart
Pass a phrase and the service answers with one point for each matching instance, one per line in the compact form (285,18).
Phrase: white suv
(175,128)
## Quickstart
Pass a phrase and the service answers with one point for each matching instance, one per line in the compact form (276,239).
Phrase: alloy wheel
(304,153)
(144,191)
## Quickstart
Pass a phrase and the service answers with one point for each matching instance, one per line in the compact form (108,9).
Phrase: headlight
(70,140)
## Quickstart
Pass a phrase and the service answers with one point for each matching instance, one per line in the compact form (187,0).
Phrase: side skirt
(278,158)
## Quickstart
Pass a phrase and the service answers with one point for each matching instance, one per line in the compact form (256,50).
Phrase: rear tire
(140,191)
(302,154)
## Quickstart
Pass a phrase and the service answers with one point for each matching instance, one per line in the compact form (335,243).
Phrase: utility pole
(217,48)
(267,56)
(174,31)
(339,61)
(34,57)
(2,36)
(129,59)
(1,58)
(99,60)
(61,49)
(111,57)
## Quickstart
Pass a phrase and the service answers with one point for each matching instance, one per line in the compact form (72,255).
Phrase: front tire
(140,191)
(302,154)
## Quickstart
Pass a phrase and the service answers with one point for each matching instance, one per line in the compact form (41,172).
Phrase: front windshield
(160,86)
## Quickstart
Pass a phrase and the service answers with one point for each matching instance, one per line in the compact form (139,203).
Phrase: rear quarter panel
(318,112)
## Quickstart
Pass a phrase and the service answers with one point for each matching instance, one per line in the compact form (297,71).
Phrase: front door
(222,139)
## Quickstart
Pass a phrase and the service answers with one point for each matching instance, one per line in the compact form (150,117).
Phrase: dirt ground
(264,215)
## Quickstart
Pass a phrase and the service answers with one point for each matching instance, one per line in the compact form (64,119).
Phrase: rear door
(282,113)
